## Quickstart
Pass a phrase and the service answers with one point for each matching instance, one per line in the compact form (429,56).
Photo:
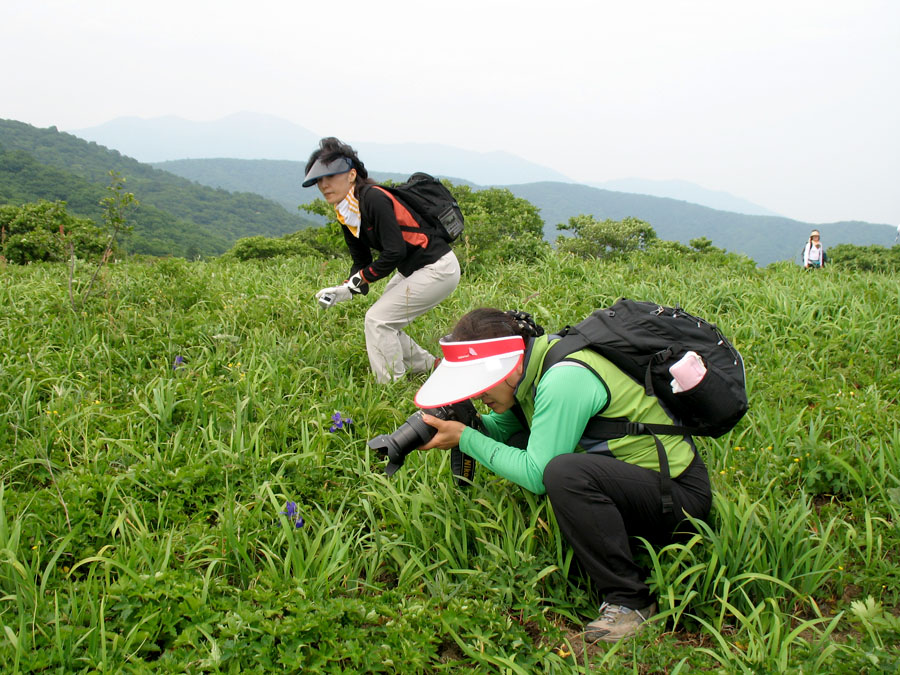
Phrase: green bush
(45,232)
(596,239)
(260,248)
(325,241)
(865,258)
(500,228)
(700,252)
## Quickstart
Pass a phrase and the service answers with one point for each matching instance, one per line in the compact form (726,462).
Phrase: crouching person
(424,268)
(604,491)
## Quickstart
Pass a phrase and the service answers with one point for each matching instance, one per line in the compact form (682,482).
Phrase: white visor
(469,369)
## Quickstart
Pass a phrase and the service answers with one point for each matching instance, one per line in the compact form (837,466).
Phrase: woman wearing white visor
(427,270)
(602,498)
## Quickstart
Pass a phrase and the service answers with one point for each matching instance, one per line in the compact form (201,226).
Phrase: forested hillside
(24,180)
(765,239)
(175,216)
(273,178)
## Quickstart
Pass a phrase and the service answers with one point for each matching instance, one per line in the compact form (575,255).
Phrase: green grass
(141,525)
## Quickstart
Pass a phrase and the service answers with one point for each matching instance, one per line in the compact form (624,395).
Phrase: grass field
(175,497)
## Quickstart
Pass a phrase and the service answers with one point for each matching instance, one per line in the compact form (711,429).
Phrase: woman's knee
(371,317)
(562,471)
(376,321)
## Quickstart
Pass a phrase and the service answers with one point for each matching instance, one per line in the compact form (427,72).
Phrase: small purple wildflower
(339,422)
(179,361)
(290,510)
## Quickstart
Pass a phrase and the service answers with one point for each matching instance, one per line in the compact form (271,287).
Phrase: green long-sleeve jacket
(558,407)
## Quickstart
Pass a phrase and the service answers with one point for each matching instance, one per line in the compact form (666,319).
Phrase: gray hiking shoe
(616,622)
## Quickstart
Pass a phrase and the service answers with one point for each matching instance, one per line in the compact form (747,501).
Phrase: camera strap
(462,466)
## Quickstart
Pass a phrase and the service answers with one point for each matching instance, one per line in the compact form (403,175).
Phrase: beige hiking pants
(391,351)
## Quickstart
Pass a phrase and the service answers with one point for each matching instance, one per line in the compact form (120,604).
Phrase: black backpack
(643,339)
(427,197)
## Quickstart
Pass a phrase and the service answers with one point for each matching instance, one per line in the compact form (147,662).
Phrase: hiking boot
(616,622)
(425,371)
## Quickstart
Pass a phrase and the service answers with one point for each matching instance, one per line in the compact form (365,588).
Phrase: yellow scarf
(348,213)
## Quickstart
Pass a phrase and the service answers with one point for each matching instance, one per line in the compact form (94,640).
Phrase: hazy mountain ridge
(254,136)
(765,239)
(686,191)
(242,136)
(240,204)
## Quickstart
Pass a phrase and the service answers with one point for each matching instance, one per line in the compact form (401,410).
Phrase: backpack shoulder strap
(411,227)
(573,341)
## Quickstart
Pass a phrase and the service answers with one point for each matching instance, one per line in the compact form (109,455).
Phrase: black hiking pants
(601,502)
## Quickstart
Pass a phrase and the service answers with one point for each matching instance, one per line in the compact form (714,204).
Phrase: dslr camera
(414,432)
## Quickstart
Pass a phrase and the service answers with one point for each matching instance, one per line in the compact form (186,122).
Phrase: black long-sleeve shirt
(404,242)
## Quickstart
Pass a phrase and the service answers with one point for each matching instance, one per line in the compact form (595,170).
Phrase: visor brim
(453,382)
(322,169)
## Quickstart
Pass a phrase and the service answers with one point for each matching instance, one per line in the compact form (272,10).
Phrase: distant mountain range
(203,205)
(765,239)
(687,192)
(253,136)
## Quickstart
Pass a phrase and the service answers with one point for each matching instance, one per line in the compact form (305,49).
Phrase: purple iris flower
(339,422)
(290,510)
(179,361)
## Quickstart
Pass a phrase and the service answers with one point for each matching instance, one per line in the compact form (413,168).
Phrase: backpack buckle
(667,503)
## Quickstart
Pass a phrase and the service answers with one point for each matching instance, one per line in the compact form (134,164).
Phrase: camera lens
(414,433)
(408,436)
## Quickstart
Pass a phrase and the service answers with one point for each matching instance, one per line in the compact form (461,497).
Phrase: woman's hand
(448,432)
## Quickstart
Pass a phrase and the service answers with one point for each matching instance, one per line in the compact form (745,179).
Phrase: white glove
(355,283)
(332,295)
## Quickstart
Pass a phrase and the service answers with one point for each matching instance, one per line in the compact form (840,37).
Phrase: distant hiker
(814,253)
(427,270)
(602,499)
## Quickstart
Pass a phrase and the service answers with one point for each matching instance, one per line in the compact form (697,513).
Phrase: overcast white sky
(791,104)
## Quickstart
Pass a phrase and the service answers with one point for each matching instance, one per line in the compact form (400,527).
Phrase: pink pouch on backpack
(687,373)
